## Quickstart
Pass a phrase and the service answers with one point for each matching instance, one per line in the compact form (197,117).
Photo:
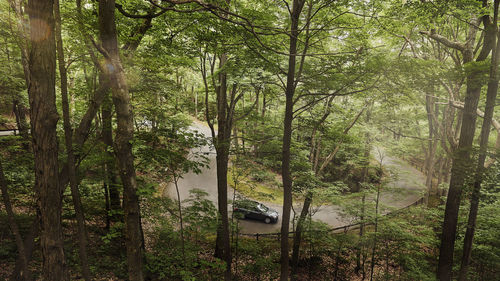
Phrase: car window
(251,205)
(245,205)
(262,208)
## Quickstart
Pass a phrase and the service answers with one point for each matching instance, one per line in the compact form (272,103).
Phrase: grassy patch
(240,180)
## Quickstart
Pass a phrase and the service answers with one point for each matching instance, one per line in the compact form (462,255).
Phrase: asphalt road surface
(405,187)
(7,133)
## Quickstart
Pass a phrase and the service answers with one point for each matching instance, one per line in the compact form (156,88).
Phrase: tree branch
(329,158)
(443,40)
(146,16)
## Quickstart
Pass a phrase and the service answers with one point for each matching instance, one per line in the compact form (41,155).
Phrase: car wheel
(267,220)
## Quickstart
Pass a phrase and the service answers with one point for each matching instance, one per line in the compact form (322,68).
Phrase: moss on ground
(240,180)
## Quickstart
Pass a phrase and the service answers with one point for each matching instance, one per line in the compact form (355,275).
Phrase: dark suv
(255,210)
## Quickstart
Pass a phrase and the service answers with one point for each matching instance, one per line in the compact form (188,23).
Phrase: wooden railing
(335,230)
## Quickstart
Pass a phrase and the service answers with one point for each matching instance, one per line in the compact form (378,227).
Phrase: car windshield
(263,208)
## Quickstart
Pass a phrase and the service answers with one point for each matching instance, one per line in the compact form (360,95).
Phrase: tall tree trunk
(287,136)
(83,130)
(441,161)
(223,138)
(314,145)
(461,161)
(195,101)
(264,105)
(44,117)
(360,256)
(181,223)
(20,113)
(29,245)
(360,265)
(313,155)
(483,146)
(372,264)
(297,238)
(123,139)
(24,273)
(68,133)
(107,139)
(432,142)
(236,141)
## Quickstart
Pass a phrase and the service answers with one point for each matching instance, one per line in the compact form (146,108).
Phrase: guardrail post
(257,236)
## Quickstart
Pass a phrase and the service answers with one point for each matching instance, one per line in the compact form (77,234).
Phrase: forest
(249,140)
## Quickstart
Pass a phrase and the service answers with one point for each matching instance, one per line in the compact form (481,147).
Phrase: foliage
(241,178)
(360,56)
(165,259)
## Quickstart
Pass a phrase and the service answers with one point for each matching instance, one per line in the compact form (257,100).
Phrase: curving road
(7,132)
(405,187)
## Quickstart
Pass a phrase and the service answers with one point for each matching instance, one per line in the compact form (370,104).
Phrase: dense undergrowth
(404,247)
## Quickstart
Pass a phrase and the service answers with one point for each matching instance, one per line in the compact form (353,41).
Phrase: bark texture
(483,146)
(44,118)
(123,138)
(110,170)
(297,7)
(432,142)
(461,157)
(222,145)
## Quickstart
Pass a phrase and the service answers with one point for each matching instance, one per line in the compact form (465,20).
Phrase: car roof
(246,201)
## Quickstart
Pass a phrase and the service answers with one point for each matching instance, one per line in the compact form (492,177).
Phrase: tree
(68,133)
(295,12)
(462,156)
(20,36)
(226,117)
(123,139)
(25,273)
(483,142)
(44,117)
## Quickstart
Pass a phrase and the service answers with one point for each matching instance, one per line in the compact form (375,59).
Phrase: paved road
(404,189)
(7,133)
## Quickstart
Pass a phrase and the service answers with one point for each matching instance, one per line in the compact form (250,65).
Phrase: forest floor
(405,185)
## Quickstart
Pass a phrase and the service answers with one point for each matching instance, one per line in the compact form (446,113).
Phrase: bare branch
(403,135)
(460,105)
(443,40)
